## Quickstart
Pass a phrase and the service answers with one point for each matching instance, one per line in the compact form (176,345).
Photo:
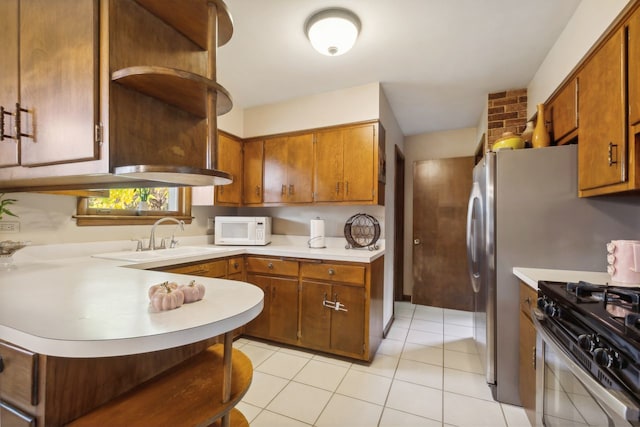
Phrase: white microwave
(242,230)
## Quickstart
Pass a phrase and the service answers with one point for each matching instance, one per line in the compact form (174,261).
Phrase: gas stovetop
(599,324)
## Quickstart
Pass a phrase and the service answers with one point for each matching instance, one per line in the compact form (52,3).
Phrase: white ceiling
(436,59)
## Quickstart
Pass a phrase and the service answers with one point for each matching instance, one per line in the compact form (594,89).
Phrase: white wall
(394,136)
(428,146)
(588,23)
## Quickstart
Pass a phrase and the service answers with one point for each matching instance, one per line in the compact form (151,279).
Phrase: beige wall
(588,23)
(436,145)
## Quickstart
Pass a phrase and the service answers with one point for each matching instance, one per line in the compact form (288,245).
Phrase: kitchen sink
(160,254)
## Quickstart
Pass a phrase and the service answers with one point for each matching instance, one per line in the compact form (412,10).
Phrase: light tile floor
(425,373)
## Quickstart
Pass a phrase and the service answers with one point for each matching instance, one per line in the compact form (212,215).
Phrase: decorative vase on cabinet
(540,136)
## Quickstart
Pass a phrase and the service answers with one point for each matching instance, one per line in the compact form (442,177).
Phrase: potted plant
(144,194)
(4,203)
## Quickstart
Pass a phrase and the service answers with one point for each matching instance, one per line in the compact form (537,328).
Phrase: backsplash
(507,112)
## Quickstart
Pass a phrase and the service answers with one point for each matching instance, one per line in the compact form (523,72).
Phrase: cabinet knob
(235,265)
(331,272)
(270,266)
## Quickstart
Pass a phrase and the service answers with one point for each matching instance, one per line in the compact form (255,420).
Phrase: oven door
(569,396)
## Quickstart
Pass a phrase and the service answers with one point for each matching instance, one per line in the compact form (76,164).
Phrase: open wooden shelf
(182,89)
(189,394)
(189,17)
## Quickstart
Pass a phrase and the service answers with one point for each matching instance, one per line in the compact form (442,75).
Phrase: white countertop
(531,276)
(61,301)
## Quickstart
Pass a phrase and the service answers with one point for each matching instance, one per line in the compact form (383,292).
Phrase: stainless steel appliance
(588,355)
(242,230)
(524,211)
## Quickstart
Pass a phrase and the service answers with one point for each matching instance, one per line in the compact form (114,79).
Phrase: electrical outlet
(9,227)
(210,223)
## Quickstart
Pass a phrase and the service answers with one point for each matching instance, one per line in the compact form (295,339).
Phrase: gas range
(599,325)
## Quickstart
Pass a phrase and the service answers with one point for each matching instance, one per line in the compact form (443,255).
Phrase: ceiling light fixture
(332,32)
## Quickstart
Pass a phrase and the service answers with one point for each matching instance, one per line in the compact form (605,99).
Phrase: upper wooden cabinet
(253,172)
(54,99)
(634,68)
(288,169)
(346,164)
(602,144)
(230,161)
(561,113)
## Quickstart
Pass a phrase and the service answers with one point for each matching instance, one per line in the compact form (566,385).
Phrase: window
(131,206)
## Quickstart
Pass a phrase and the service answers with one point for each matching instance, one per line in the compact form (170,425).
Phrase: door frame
(398,241)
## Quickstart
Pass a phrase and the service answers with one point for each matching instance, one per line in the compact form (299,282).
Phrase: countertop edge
(531,276)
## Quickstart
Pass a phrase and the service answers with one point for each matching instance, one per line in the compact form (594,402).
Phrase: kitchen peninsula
(76,330)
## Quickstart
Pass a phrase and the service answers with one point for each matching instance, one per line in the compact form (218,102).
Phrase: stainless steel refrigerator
(524,212)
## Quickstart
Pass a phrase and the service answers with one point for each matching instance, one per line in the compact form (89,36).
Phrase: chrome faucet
(152,238)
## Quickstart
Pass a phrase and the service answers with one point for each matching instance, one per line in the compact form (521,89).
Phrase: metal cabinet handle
(346,187)
(19,133)
(337,187)
(3,113)
(331,272)
(284,189)
(257,190)
(270,266)
(292,189)
(610,157)
(416,241)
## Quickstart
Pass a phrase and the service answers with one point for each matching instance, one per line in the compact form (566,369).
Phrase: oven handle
(614,399)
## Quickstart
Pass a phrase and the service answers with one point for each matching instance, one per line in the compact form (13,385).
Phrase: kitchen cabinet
(53,44)
(527,352)
(346,164)
(332,308)
(633,75)
(18,386)
(253,165)
(216,268)
(235,268)
(561,113)
(278,279)
(137,84)
(230,161)
(288,169)
(602,144)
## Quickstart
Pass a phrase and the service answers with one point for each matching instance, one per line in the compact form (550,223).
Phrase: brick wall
(507,113)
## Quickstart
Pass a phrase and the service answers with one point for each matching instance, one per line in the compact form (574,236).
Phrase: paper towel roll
(316,237)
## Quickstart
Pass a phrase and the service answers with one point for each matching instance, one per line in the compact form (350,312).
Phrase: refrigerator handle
(472,235)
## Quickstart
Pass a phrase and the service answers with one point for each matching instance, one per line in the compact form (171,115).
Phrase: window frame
(98,217)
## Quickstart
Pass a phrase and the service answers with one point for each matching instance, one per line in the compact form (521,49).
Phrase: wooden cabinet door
(275,170)
(9,79)
(359,149)
(12,417)
(602,148)
(347,327)
(329,156)
(634,68)
(563,111)
(283,309)
(260,325)
(300,169)
(253,168)
(230,161)
(315,318)
(59,80)
(527,347)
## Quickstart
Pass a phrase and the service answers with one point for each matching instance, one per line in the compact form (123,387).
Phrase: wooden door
(347,327)
(634,68)
(253,168)
(230,161)
(329,166)
(300,169)
(9,80)
(260,325)
(59,80)
(315,319)
(275,170)
(441,191)
(602,149)
(359,149)
(283,309)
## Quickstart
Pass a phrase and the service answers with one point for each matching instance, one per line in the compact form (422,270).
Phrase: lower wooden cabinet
(335,307)
(527,356)
(18,386)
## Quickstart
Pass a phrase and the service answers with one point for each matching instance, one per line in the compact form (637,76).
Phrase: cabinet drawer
(19,377)
(335,272)
(235,266)
(208,269)
(528,298)
(272,266)
(12,417)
